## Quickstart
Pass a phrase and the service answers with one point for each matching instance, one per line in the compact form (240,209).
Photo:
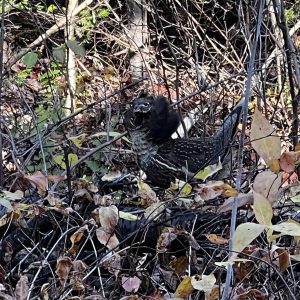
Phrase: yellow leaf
(184,288)
(78,140)
(264,139)
(108,72)
(274,165)
(209,171)
(262,209)
(186,190)
(286,228)
(244,234)
(127,216)
(59,159)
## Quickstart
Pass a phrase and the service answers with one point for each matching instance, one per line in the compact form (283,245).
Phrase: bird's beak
(141,108)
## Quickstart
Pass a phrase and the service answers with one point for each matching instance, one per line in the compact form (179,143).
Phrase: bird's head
(143,105)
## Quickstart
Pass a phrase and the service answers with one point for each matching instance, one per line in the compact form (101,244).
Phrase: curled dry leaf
(108,217)
(107,239)
(56,178)
(63,267)
(105,200)
(22,288)
(180,265)
(213,189)
(252,294)
(112,263)
(243,199)
(210,190)
(147,195)
(154,210)
(267,184)
(214,294)
(264,139)
(131,284)
(39,180)
(215,239)
(168,235)
(79,266)
(281,258)
(111,175)
(289,160)
(83,193)
(76,237)
(203,283)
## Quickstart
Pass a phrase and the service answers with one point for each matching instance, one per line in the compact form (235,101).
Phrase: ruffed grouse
(151,122)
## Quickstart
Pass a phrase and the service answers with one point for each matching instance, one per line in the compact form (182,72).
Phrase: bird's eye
(147,104)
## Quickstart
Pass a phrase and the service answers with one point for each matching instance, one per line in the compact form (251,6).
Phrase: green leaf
(209,171)
(59,54)
(76,47)
(93,165)
(30,59)
(78,140)
(104,13)
(59,159)
(51,8)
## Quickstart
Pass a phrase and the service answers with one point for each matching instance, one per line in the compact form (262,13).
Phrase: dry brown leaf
(39,180)
(131,284)
(63,267)
(210,190)
(147,195)
(203,283)
(107,239)
(22,288)
(83,193)
(108,217)
(252,294)
(267,184)
(267,146)
(289,160)
(167,236)
(214,294)
(281,257)
(56,178)
(180,265)
(79,266)
(76,237)
(242,199)
(215,239)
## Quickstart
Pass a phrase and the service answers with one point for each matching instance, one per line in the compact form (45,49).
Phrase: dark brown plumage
(150,123)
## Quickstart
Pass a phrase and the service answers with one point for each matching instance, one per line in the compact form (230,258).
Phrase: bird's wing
(191,154)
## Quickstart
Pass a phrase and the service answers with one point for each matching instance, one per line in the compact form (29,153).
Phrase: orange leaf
(215,239)
(38,179)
